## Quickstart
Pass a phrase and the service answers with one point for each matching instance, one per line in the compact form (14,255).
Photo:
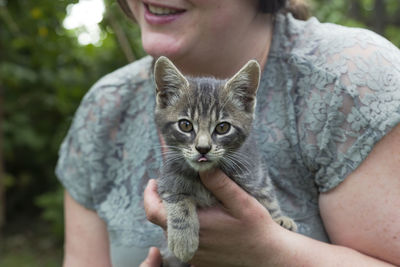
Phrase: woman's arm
(364,211)
(86,238)
(153,258)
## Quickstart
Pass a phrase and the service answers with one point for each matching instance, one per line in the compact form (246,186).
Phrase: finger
(164,148)
(153,259)
(153,205)
(212,220)
(232,197)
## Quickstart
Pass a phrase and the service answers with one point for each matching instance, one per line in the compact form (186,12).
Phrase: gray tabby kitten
(206,123)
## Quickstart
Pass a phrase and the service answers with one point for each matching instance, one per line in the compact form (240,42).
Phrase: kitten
(206,123)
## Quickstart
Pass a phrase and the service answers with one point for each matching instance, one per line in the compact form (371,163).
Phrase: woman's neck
(226,59)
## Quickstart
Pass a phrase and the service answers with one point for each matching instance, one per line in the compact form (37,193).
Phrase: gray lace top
(328,94)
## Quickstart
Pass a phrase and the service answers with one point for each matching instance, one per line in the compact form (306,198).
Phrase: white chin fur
(203,166)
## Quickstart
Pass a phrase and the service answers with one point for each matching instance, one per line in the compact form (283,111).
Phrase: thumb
(153,259)
(231,195)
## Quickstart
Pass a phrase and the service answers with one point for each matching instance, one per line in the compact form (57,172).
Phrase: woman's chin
(159,45)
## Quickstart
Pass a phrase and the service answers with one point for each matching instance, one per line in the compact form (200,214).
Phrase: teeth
(161,10)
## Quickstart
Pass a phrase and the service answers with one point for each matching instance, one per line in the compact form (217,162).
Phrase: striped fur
(204,103)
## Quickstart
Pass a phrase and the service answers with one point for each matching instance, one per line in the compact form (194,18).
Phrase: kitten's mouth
(202,159)
(202,163)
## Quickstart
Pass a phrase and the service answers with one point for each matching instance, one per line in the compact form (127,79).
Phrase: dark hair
(124,6)
(271,6)
(299,8)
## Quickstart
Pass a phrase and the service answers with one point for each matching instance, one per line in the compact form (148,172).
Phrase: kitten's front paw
(287,223)
(183,244)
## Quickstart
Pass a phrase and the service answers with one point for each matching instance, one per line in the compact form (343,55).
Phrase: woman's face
(177,28)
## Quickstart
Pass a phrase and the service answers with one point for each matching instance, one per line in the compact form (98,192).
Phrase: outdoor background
(51,52)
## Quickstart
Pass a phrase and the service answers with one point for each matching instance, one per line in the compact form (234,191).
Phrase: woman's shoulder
(325,45)
(129,76)
(135,71)
(127,89)
(345,82)
(119,87)
(324,54)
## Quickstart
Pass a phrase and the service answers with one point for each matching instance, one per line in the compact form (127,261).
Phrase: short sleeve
(111,151)
(353,106)
(73,167)
(81,166)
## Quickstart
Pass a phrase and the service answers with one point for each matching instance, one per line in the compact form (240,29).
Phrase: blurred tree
(44,73)
(2,190)
(381,16)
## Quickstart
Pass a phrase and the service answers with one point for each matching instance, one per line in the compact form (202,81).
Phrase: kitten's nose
(203,149)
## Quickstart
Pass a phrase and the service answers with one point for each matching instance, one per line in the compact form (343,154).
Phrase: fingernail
(150,182)
(151,250)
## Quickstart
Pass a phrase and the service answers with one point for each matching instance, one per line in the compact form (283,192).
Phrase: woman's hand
(238,232)
(153,258)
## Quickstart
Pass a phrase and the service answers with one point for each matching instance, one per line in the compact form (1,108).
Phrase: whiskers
(236,162)
(171,154)
(165,148)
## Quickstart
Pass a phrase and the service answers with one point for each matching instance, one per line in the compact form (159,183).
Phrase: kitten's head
(204,120)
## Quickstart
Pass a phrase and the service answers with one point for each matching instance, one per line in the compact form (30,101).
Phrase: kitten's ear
(242,87)
(169,82)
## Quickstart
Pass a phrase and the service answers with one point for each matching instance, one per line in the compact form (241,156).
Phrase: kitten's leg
(268,200)
(278,217)
(182,226)
(169,259)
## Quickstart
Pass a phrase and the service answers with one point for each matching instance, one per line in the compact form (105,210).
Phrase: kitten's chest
(202,195)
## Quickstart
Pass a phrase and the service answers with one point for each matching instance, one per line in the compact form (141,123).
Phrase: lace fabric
(328,94)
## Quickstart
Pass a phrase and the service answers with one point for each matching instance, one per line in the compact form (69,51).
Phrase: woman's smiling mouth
(162,11)
(156,14)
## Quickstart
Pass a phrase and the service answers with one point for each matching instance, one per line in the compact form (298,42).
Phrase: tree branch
(355,10)
(5,15)
(122,39)
(380,16)
(2,190)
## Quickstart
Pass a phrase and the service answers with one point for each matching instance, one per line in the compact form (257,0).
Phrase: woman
(327,124)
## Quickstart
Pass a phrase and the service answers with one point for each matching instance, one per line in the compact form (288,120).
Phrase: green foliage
(44,73)
(393,34)
(28,257)
(381,16)
(30,246)
(52,203)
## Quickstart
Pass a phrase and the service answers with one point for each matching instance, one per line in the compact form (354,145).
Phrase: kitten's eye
(185,125)
(222,128)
